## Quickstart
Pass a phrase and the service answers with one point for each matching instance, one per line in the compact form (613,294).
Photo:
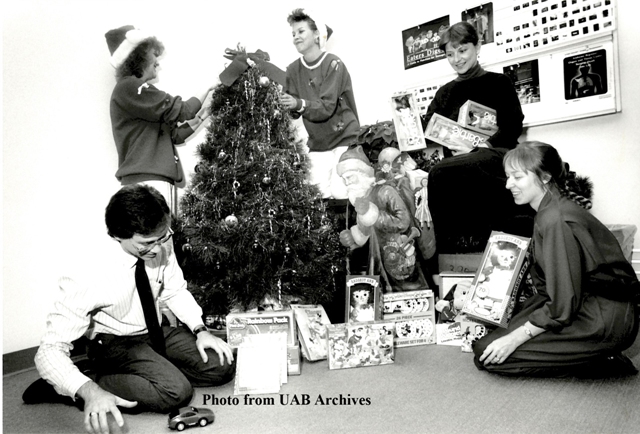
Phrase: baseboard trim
(23,360)
(18,361)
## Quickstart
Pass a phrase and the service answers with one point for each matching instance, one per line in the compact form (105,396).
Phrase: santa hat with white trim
(324,30)
(122,41)
(354,159)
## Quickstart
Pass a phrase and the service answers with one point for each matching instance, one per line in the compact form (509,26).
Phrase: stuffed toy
(452,303)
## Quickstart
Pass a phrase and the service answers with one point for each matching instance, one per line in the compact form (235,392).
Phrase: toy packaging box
(470,331)
(363,298)
(353,345)
(447,132)
(414,316)
(406,119)
(478,117)
(261,364)
(493,293)
(312,320)
(449,278)
(240,325)
(293,359)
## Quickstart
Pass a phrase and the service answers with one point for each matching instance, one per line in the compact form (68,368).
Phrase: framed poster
(420,43)
(481,17)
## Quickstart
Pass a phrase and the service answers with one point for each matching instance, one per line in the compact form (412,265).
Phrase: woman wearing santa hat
(145,119)
(318,88)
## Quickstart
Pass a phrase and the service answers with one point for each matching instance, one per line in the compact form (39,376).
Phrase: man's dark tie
(149,308)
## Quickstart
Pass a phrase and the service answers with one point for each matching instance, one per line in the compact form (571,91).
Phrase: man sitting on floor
(139,364)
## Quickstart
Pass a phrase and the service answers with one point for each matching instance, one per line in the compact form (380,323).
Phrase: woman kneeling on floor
(585,312)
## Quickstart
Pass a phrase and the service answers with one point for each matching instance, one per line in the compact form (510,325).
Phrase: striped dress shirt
(102,298)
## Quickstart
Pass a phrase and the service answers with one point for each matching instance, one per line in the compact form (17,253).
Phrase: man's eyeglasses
(148,246)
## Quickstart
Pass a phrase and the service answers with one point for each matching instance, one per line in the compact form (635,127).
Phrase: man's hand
(97,404)
(207,340)
(288,101)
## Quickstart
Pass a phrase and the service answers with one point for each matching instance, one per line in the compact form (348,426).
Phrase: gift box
(493,293)
(312,320)
(447,132)
(353,345)
(478,117)
(241,324)
(363,298)
(414,315)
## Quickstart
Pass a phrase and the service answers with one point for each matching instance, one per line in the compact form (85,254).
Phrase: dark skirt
(603,328)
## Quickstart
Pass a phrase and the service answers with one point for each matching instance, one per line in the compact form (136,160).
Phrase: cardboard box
(478,117)
(240,325)
(293,359)
(312,320)
(493,293)
(414,315)
(448,279)
(407,123)
(363,299)
(354,345)
(447,132)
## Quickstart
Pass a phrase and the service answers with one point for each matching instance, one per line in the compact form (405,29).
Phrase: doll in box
(361,304)
(495,278)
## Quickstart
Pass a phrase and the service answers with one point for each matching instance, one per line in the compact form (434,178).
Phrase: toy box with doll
(447,132)
(414,316)
(493,293)
(241,324)
(311,320)
(363,298)
(478,117)
(353,345)
(406,119)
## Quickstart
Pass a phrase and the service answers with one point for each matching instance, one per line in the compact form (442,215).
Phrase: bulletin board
(560,54)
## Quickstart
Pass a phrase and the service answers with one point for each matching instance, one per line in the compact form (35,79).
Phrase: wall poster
(420,43)
(481,18)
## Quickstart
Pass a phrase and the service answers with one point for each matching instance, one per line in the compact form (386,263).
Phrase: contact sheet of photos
(530,24)
(561,56)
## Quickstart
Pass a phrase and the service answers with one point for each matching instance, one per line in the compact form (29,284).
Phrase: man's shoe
(40,392)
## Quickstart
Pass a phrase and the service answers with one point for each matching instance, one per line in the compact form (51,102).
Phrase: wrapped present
(242,324)
(447,132)
(414,316)
(493,293)
(353,345)
(478,117)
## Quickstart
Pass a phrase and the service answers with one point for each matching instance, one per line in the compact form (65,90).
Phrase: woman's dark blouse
(490,89)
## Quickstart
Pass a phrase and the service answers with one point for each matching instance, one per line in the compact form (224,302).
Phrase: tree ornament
(231,220)
(264,81)
(266,180)
(186,248)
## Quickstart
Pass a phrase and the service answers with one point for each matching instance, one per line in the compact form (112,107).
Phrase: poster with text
(420,43)
(525,77)
(585,75)
(481,18)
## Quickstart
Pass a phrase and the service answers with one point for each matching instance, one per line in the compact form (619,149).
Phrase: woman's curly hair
(139,58)
(544,161)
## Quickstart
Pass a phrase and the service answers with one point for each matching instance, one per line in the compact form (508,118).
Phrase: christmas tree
(251,228)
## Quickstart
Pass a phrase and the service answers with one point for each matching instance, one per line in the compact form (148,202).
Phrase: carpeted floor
(429,389)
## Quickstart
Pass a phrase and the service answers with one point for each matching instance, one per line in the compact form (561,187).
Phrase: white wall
(58,153)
